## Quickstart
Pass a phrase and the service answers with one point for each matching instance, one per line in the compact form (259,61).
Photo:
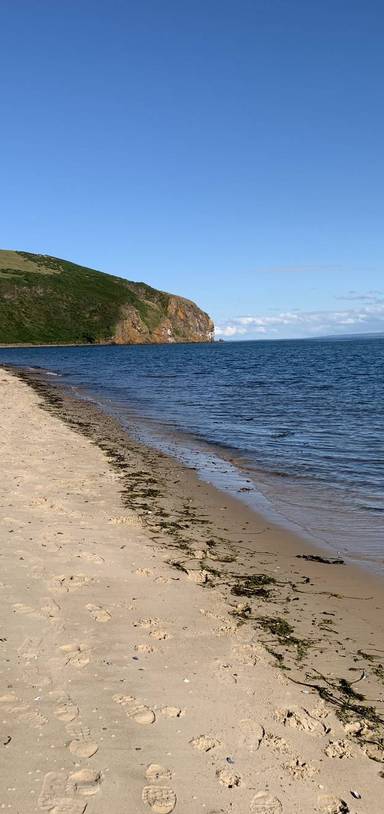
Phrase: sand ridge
(126,685)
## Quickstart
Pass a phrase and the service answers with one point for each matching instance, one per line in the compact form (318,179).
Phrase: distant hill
(45,300)
(346,337)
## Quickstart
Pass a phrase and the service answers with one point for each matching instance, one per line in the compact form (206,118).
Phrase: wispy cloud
(375,297)
(368,317)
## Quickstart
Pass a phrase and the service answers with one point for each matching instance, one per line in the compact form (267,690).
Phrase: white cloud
(368,317)
(237,330)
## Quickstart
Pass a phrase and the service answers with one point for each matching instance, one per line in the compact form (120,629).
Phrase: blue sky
(229,151)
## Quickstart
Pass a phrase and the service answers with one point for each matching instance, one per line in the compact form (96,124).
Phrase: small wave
(160,376)
(43,369)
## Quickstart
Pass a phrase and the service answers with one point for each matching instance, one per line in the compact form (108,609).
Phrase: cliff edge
(46,300)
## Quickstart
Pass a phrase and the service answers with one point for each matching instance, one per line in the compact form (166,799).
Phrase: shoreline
(102,344)
(240,487)
(316,495)
(224,472)
(292,625)
(224,526)
(292,537)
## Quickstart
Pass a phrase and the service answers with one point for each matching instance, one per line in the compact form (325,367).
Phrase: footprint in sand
(30,649)
(8,699)
(157,773)
(248,654)
(29,652)
(228,778)
(85,782)
(137,712)
(37,571)
(300,718)
(28,715)
(68,583)
(226,673)
(205,743)
(66,710)
(54,796)
(62,792)
(357,728)
(251,734)
(76,655)
(374,751)
(46,503)
(339,749)
(50,609)
(25,610)
(160,635)
(161,799)
(172,712)
(332,805)
(90,557)
(278,745)
(144,648)
(84,749)
(98,613)
(21,711)
(199,576)
(148,622)
(153,625)
(39,501)
(299,769)
(365,733)
(81,744)
(226,628)
(265,803)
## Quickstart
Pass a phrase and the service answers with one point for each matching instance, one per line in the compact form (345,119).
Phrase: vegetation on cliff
(47,300)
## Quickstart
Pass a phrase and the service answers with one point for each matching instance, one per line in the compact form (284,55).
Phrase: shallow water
(300,424)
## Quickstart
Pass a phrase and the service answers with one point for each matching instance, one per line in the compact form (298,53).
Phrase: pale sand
(125,684)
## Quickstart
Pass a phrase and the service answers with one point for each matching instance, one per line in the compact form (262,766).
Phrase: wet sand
(149,621)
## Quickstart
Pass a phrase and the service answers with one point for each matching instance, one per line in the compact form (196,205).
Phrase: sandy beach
(164,647)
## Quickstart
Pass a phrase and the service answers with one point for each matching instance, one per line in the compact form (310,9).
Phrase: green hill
(45,300)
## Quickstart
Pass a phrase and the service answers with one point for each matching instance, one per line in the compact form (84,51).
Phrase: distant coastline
(219,341)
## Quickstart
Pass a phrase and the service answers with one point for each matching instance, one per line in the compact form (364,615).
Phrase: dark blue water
(300,424)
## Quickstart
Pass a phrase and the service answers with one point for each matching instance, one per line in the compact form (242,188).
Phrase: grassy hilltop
(45,300)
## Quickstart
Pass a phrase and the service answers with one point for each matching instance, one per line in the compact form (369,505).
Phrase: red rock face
(182,321)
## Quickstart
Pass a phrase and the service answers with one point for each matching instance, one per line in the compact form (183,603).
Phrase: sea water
(295,428)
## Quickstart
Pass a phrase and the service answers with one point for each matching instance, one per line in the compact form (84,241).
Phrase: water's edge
(293,430)
(211,464)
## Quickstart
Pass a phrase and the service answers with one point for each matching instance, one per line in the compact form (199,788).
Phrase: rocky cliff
(47,300)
